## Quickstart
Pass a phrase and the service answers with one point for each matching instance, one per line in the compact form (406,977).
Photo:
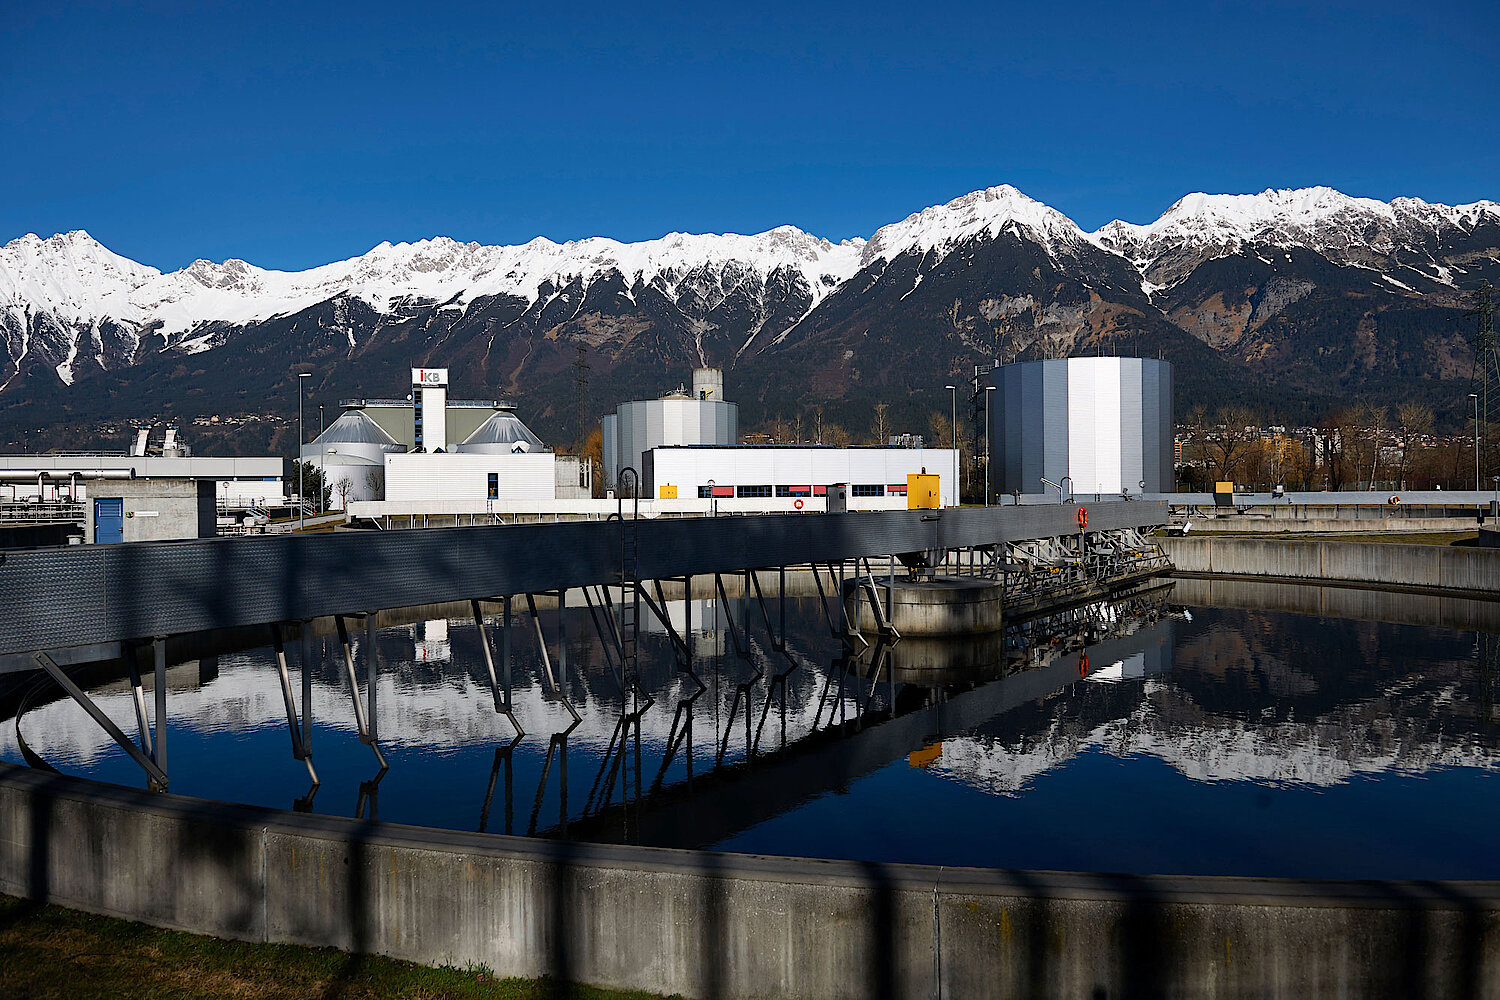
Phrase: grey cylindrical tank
(353,447)
(1103,423)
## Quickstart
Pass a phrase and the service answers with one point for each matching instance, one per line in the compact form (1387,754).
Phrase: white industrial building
(772,478)
(429,448)
(417,476)
(680,417)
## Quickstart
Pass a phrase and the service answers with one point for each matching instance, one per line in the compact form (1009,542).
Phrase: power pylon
(581,377)
(1485,381)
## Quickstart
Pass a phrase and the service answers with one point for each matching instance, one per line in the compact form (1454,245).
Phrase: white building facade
(774,478)
(418,477)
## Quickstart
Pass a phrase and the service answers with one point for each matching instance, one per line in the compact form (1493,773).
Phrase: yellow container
(668,493)
(922,492)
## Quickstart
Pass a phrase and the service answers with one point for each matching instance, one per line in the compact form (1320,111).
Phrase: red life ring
(1083,517)
(1083,665)
(797,504)
(1393,501)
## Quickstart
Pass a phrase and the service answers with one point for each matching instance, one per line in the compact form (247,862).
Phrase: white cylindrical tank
(352,448)
(1103,423)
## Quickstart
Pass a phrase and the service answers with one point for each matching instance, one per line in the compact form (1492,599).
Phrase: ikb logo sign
(428,377)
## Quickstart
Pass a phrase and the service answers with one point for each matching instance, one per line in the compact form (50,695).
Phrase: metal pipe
(26,475)
(1475,397)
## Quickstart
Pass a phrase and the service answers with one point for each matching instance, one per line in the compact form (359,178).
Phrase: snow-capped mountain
(978,215)
(1283,287)
(1357,231)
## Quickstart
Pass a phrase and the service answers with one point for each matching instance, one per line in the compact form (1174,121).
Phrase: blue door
(109,520)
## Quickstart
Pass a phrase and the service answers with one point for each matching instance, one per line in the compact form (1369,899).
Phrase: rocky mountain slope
(1297,300)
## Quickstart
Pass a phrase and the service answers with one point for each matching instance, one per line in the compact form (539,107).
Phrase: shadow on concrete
(357,911)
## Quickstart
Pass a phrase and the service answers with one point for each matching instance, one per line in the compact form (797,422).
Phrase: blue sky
(290,136)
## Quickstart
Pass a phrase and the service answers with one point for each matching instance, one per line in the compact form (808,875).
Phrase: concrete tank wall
(1430,567)
(707,925)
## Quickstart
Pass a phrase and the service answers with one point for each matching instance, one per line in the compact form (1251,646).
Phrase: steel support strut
(541,643)
(360,718)
(154,774)
(503,704)
(300,750)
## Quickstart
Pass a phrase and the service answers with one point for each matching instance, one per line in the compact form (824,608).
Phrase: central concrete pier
(942,605)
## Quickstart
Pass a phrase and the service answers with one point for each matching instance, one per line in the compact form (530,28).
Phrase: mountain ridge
(1275,284)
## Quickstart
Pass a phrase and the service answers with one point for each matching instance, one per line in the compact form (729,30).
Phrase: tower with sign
(429,401)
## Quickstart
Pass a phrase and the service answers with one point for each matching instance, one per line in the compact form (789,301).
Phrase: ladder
(630,600)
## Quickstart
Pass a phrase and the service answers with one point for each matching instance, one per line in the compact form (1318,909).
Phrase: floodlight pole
(987,390)
(301,477)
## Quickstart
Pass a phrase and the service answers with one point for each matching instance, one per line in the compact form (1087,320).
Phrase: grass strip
(49,952)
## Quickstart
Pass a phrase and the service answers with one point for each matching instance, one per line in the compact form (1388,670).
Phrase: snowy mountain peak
(1342,228)
(980,213)
(1221,217)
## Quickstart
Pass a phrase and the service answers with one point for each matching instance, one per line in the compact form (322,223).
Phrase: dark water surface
(1190,740)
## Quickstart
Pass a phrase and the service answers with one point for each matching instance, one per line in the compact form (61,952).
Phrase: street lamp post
(953,426)
(322,460)
(1475,397)
(301,473)
(987,390)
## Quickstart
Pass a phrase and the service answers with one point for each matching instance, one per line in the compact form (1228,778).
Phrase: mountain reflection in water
(1141,736)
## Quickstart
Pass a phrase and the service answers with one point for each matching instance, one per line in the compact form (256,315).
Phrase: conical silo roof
(500,434)
(353,427)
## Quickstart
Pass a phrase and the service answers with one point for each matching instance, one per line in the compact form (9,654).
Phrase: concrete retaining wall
(1423,567)
(709,925)
(1276,525)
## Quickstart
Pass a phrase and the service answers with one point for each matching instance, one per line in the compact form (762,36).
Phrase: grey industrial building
(698,417)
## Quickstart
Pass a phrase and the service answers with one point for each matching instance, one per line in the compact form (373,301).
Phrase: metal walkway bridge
(81,604)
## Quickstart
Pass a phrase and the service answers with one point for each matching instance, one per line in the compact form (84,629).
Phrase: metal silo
(677,418)
(1102,424)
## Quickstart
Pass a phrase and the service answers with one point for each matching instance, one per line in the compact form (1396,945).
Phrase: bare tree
(375,481)
(880,429)
(1225,448)
(778,430)
(1340,463)
(344,486)
(835,435)
(1372,420)
(1414,420)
